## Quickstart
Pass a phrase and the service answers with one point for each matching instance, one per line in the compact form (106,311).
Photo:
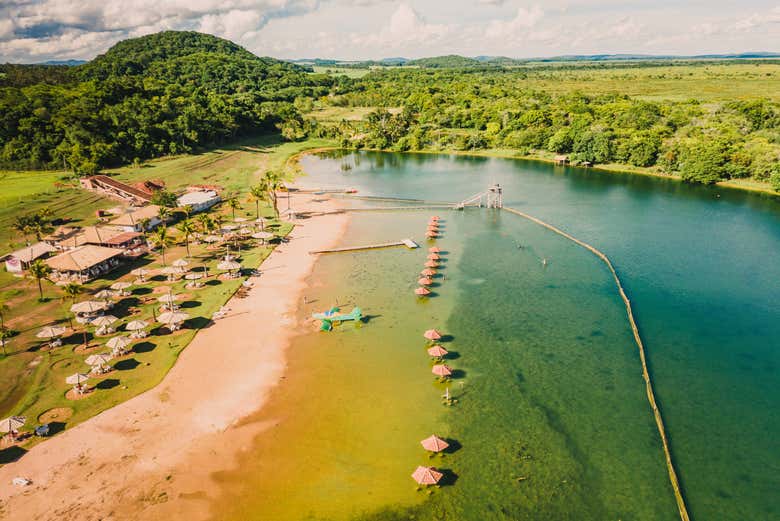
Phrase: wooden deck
(403,242)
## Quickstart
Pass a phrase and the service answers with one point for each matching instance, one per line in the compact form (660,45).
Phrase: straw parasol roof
(139,272)
(193,276)
(105,320)
(432,334)
(240,220)
(101,359)
(136,325)
(88,306)
(118,342)
(245,231)
(441,370)
(422,292)
(428,272)
(431,264)
(119,286)
(437,351)
(425,281)
(169,298)
(172,270)
(13,423)
(434,249)
(434,444)
(76,378)
(263,235)
(433,256)
(229,227)
(434,217)
(172,317)
(427,476)
(211,238)
(228,266)
(104,294)
(180,263)
(431,234)
(51,332)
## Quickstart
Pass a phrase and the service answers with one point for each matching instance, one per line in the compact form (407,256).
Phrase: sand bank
(152,456)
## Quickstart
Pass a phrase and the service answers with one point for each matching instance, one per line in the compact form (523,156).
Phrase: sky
(39,30)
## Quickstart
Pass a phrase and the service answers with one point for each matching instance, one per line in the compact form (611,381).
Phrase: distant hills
(458,61)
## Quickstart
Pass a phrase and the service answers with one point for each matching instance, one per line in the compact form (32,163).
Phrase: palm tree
(163,213)
(272,182)
(3,310)
(257,194)
(187,228)
(187,209)
(22,225)
(39,270)
(161,238)
(71,291)
(144,224)
(205,222)
(234,204)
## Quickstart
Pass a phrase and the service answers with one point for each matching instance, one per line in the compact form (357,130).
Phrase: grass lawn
(341,71)
(32,378)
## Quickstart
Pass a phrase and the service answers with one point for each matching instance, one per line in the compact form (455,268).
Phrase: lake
(551,419)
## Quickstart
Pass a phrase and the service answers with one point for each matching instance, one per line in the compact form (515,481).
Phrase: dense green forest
(473,109)
(175,92)
(166,93)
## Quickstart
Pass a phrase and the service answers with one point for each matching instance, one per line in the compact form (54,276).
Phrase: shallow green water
(548,378)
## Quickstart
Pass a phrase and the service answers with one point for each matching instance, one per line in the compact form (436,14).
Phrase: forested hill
(165,93)
(452,61)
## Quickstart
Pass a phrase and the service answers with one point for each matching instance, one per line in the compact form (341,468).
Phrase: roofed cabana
(84,263)
(20,260)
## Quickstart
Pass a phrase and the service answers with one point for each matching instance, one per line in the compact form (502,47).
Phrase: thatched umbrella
(180,263)
(140,273)
(428,272)
(431,264)
(434,249)
(421,292)
(121,285)
(104,321)
(240,220)
(432,335)
(434,444)
(98,360)
(263,236)
(425,281)
(211,239)
(229,228)
(441,370)
(172,318)
(12,424)
(228,265)
(433,256)
(169,299)
(431,234)
(427,476)
(193,276)
(76,379)
(118,343)
(136,325)
(50,332)
(105,294)
(437,351)
(244,231)
(434,217)
(88,306)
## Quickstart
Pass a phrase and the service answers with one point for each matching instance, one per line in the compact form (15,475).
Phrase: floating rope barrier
(645,373)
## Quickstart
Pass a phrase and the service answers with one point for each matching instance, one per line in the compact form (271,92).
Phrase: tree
(163,213)
(774,180)
(187,228)
(39,270)
(144,224)
(205,222)
(164,198)
(257,194)
(234,204)
(3,310)
(161,239)
(271,183)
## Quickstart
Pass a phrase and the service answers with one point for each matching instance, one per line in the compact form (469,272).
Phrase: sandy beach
(152,456)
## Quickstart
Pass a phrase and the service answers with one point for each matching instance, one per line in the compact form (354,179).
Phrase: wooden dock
(403,242)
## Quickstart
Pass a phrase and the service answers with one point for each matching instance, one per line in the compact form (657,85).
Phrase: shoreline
(611,168)
(152,456)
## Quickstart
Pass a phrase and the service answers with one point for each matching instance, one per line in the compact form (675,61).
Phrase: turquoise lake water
(552,421)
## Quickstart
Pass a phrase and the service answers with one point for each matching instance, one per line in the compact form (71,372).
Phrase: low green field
(341,71)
